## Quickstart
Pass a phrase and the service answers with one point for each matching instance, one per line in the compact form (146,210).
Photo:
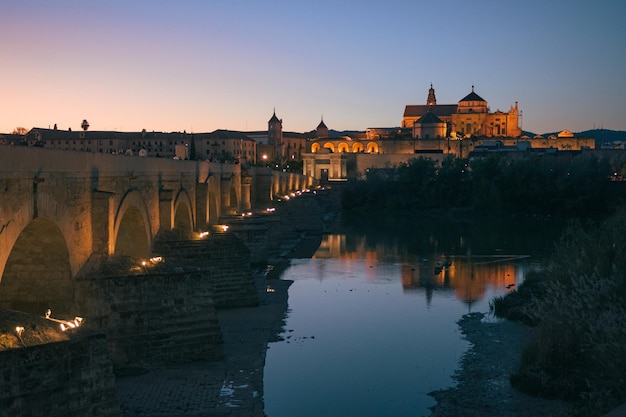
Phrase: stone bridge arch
(207,202)
(37,274)
(131,230)
(230,188)
(184,223)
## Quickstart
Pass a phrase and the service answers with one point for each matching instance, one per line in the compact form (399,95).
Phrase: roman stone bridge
(59,208)
(133,251)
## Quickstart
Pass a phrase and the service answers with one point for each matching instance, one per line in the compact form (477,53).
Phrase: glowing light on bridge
(19,330)
(72,324)
(64,324)
(153,261)
(270,209)
(202,235)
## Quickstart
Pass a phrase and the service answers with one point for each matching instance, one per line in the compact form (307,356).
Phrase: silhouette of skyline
(200,66)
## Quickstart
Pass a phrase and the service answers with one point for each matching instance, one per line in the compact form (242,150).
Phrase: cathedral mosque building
(431,130)
(469,117)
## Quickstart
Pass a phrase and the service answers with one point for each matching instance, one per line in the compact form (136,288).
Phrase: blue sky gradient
(205,65)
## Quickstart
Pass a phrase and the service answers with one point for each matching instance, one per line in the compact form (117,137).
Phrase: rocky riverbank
(483,388)
(231,387)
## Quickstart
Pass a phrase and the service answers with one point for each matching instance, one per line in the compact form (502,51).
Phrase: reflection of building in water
(468,277)
(332,246)
(338,247)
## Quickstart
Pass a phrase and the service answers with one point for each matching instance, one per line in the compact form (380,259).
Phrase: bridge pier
(166,212)
(101,215)
(202,205)
(151,315)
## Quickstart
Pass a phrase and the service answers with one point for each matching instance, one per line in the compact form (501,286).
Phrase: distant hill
(335,133)
(603,135)
(600,135)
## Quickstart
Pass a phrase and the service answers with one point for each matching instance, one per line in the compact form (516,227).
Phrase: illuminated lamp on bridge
(63,324)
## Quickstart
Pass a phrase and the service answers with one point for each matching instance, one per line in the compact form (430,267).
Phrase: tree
(19,131)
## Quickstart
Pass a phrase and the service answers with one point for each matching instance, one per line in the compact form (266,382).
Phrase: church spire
(431,100)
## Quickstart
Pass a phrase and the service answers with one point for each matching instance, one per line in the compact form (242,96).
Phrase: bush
(578,305)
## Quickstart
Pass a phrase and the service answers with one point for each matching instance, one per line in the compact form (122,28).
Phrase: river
(372,326)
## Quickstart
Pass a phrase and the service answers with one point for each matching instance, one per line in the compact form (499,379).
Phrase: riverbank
(483,388)
(231,387)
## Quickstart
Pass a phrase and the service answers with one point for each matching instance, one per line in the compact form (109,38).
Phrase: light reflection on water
(371,330)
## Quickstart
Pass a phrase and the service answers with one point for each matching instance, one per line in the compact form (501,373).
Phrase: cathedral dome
(472,97)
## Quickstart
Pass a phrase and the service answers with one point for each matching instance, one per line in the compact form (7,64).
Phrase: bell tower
(275,135)
(431,100)
(274,130)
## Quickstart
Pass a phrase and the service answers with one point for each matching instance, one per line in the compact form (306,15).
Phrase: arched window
(357,147)
(372,147)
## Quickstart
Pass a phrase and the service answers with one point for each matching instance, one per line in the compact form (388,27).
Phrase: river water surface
(371,327)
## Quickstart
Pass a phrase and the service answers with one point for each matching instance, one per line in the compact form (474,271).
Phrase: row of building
(431,129)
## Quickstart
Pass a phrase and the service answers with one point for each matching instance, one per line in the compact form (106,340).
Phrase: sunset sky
(201,65)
